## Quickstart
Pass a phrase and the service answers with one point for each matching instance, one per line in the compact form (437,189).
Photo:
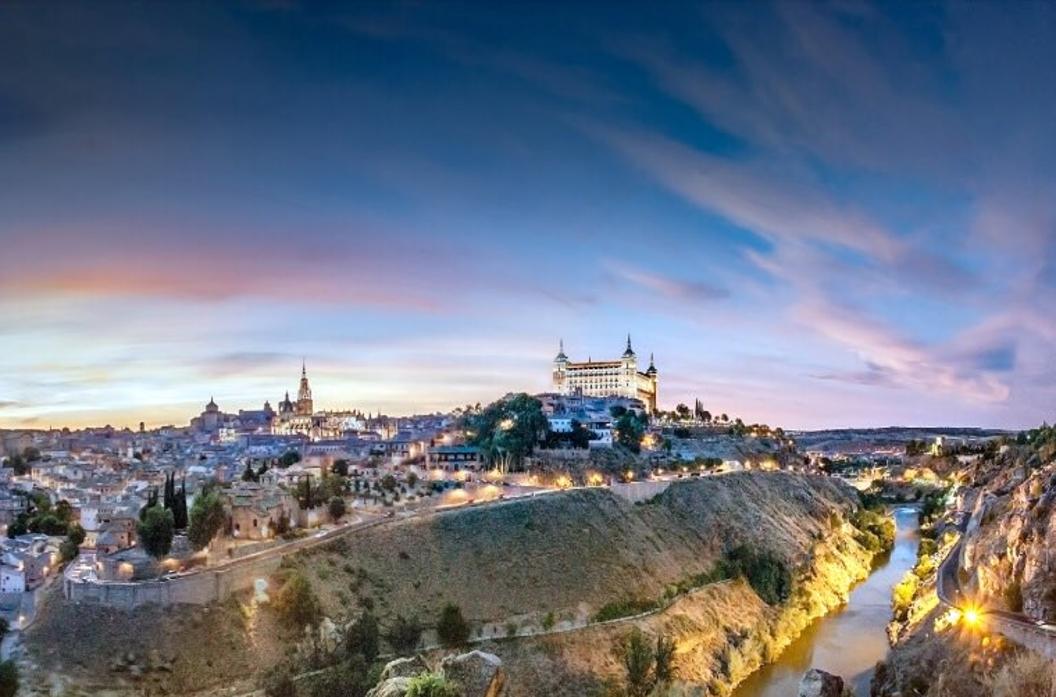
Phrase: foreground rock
(473,674)
(818,683)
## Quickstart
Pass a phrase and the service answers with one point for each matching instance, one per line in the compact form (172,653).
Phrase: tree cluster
(646,665)
(511,427)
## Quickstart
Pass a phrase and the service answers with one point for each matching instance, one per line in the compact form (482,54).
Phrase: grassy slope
(569,553)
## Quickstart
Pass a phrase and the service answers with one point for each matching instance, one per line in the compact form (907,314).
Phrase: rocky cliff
(1008,499)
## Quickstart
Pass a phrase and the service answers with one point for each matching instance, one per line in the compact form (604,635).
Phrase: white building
(612,378)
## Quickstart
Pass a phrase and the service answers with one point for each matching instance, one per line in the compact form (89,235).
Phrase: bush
(637,658)
(278,682)
(207,518)
(624,608)
(431,685)
(336,508)
(880,526)
(155,531)
(549,621)
(902,596)
(363,638)
(8,679)
(766,574)
(452,628)
(404,635)
(68,550)
(297,603)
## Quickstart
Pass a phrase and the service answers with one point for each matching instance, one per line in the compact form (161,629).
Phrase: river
(847,642)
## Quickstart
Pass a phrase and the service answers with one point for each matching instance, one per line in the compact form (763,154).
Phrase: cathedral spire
(629,352)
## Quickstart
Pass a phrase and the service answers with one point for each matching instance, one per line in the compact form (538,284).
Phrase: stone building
(608,378)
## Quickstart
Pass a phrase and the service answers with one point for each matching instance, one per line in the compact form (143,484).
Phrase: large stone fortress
(618,378)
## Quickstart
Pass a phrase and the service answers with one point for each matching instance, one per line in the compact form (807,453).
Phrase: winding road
(1033,634)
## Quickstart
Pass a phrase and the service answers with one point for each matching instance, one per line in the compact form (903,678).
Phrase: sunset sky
(814,215)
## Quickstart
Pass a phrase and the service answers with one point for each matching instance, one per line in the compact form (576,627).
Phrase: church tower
(304,394)
(629,363)
(560,368)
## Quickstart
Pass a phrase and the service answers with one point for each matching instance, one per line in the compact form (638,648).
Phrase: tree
(363,637)
(248,475)
(297,603)
(388,482)
(629,431)
(510,428)
(155,531)
(207,518)
(8,679)
(452,628)
(18,464)
(637,658)
(290,457)
(279,683)
(683,412)
(179,508)
(68,550)
(340,467)
(336,508)
(404,634)
(663,668)
(412,479)
(31,454)
(64,511)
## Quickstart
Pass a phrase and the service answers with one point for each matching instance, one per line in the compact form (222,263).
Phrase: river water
(847,642)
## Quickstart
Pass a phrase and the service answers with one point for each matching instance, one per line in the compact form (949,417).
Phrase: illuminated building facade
(611,378)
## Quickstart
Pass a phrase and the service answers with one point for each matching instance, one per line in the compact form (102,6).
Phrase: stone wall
(196,588)
(639,491)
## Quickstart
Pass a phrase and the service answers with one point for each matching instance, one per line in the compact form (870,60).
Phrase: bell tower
(305,406)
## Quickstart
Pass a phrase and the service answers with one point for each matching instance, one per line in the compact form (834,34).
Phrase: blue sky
(813,214)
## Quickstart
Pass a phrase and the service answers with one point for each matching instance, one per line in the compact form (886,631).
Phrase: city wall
(639,491)
(198,588)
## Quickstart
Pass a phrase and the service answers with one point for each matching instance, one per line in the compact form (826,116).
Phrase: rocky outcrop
(476,674)
(818,683)
(404,668)
(473,674)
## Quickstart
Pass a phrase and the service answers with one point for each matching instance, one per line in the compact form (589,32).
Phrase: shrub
(549,621)
(279,683)
(766,574)
(637,658)
(431,685)
(207,519)
(624,608)
(336,508)
(664,655)
(902,596)
(8,679)
(297,603)
(155,531)
(452,628)
(880,526)
(404,635)
(363,637)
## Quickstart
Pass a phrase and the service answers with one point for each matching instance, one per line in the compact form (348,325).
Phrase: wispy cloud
(665,285)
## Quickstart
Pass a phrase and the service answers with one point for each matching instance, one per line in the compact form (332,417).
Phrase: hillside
(551,561)
(1008,500)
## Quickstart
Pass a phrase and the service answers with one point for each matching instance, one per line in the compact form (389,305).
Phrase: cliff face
(1007,564)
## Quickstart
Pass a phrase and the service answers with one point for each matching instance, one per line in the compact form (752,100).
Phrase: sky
(813,214)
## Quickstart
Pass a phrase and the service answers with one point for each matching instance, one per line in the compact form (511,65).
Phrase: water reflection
(849,641)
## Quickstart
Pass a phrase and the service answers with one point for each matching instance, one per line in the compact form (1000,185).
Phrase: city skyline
(814,215)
